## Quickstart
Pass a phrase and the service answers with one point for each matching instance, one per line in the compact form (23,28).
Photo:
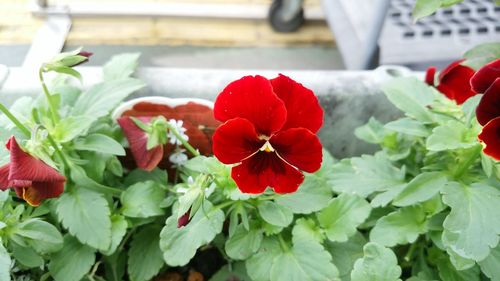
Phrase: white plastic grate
(443,36)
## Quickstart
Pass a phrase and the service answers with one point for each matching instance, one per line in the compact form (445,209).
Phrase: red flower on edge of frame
(487,80)
(453,81)
(138,142)
(269,132)
(32,179)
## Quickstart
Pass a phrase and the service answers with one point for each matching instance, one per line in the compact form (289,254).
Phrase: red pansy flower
(453,81)
(485,76)
(146,159)
(488,115)
(32,179)
(269,132)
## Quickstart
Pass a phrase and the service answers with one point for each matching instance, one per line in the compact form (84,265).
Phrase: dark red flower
(184,219)
(485,76)
(269,132)
(488,115)
(453,81)
(32,179)
(83,54)
(146,159)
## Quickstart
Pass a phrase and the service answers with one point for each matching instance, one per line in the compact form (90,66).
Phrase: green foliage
(72,262)
(179,245)
(5,262)
(275,214)
(145,257)
(86,215)
(425,8)
(378,264)
(143,200)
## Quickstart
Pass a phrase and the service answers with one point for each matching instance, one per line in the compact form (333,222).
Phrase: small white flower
(178,158)
(177,125)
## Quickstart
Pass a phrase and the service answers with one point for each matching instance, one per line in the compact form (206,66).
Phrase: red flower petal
(302,106)
(235,140)
(485,76)
(490,137)
(265,169)
(300,148)
(25,167)
(429,75)
(489,106)
(137,139)
(454,82)
(252,98)
(4,177)
(39,191)
(184,219)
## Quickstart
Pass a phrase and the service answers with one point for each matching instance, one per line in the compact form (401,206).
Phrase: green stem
(189,147)
(53,110)
(283,244)
(469,160)
(58,151)
(223,205)
(410,252)
(16,121)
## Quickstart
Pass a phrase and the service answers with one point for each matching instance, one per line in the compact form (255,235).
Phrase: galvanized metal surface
(349,99)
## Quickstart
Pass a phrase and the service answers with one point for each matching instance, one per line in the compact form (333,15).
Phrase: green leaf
(365,175)
(306,229)
(179,245)
(400,227)
(482,54)
(72,262)
(313,195)
(341,217)
(491,264)
(118,230)
(101,98)
(425,8)
(157,175)
(305,261)
(447,272)
(86,215)
(345,254)
(26,256)
(377,264)
(259,265)
(59,68)
(384,198)
(71,127)
(121,66)
(452,135)
(145,257)
(236,271)
(471,228)
(5,262)
(99,143)
(275,214)
(412,96)
(408,126)
(371,132)
(421,188)
(42,236)
(243,243)
(142,200)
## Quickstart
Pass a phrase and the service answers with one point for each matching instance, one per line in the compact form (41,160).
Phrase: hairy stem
(53,110)
(16,121)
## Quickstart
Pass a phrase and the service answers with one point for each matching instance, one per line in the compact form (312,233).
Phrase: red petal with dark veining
(39,191)
(25,167)
(299,147)
(4,177)
(252,98)
(235,140)
(137,139)
(429,75)
(265,169)
(485,76)
(489,106)
(454,82)
(302,106)
(490,137)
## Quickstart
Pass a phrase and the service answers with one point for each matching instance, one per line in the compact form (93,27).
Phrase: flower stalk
(16,121)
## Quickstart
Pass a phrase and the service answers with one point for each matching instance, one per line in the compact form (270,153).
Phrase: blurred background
(245,34)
